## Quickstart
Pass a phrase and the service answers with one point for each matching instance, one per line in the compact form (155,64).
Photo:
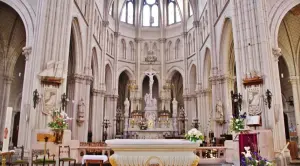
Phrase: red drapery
(248,140)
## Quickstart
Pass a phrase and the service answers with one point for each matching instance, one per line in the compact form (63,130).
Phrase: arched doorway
(192,91)
(227,64)
(108,101)
(177,94)
(289,69)
(123,94)
(12,65)
(207,113)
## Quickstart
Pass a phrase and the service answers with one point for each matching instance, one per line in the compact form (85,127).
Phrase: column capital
(117,34)
(89,79)
(293,79)
(196,24)
(105,23)
(185,34)
(8,79)
(277,53)
(162,40)
(96,92)
(138,40)
(26,52)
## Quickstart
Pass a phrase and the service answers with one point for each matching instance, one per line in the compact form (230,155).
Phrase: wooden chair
(38,157)
(18,157)
(65,158)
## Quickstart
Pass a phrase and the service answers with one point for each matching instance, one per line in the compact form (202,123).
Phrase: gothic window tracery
(150,13)
(173,12)
(131,50)
(177,49)
(169,51)
(128,13)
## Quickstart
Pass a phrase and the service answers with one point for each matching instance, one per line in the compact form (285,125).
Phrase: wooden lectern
(45,137)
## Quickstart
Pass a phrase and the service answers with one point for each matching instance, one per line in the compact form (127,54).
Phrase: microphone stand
(45,147)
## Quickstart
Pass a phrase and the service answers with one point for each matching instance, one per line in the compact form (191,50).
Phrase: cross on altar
(150,74)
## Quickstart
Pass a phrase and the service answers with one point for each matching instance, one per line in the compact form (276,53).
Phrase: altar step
(294,162)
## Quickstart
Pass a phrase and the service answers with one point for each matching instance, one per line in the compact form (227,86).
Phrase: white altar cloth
(142,152)
(94,157)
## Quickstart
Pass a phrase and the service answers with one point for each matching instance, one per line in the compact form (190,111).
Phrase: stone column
(174,116)
(188,122)
(96,115)
(293,81)
(114,102)
(126,117)
(6,93)
(24,136)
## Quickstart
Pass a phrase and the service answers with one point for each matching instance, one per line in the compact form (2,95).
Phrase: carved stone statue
(126,104)
(219,111)
(80,112)
(150,102)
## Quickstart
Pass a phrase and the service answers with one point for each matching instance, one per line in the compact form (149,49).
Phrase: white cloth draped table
(165,152)
(94,157)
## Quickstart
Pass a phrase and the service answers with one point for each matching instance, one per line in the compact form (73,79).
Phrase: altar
(162,152)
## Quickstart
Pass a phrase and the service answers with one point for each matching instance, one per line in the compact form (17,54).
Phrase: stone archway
(289,68)
(109,100)
(227,66)
(12,63)
(207,112)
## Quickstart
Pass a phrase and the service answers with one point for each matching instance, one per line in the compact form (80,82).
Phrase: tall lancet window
(173,12)
(150,13)
(127,14)
(111,9)
(190,10)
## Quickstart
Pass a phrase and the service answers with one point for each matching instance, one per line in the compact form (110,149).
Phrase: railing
(208,155)
(211,155)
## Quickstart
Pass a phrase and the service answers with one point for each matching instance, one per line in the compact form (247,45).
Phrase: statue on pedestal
(219,112)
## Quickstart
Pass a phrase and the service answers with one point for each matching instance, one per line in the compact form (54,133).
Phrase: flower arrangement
(194,135)
(237,123)
(253,159)
(143,124)
(59,120)
(132,123)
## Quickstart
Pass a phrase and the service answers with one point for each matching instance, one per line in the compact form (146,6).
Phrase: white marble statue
(150,102)
(219,110)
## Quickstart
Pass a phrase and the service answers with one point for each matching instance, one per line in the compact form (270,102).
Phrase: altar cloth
(143,152)
(94,157)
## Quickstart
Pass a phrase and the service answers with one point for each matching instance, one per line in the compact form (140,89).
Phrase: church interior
(150,82)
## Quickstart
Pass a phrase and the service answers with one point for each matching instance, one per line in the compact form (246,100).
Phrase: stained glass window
(127,14)
(150,13)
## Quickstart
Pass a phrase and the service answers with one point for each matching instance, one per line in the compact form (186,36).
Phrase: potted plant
(237,123)
(58,124)
(143,125)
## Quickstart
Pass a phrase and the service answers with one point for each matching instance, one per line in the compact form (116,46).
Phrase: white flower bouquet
(194,135)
